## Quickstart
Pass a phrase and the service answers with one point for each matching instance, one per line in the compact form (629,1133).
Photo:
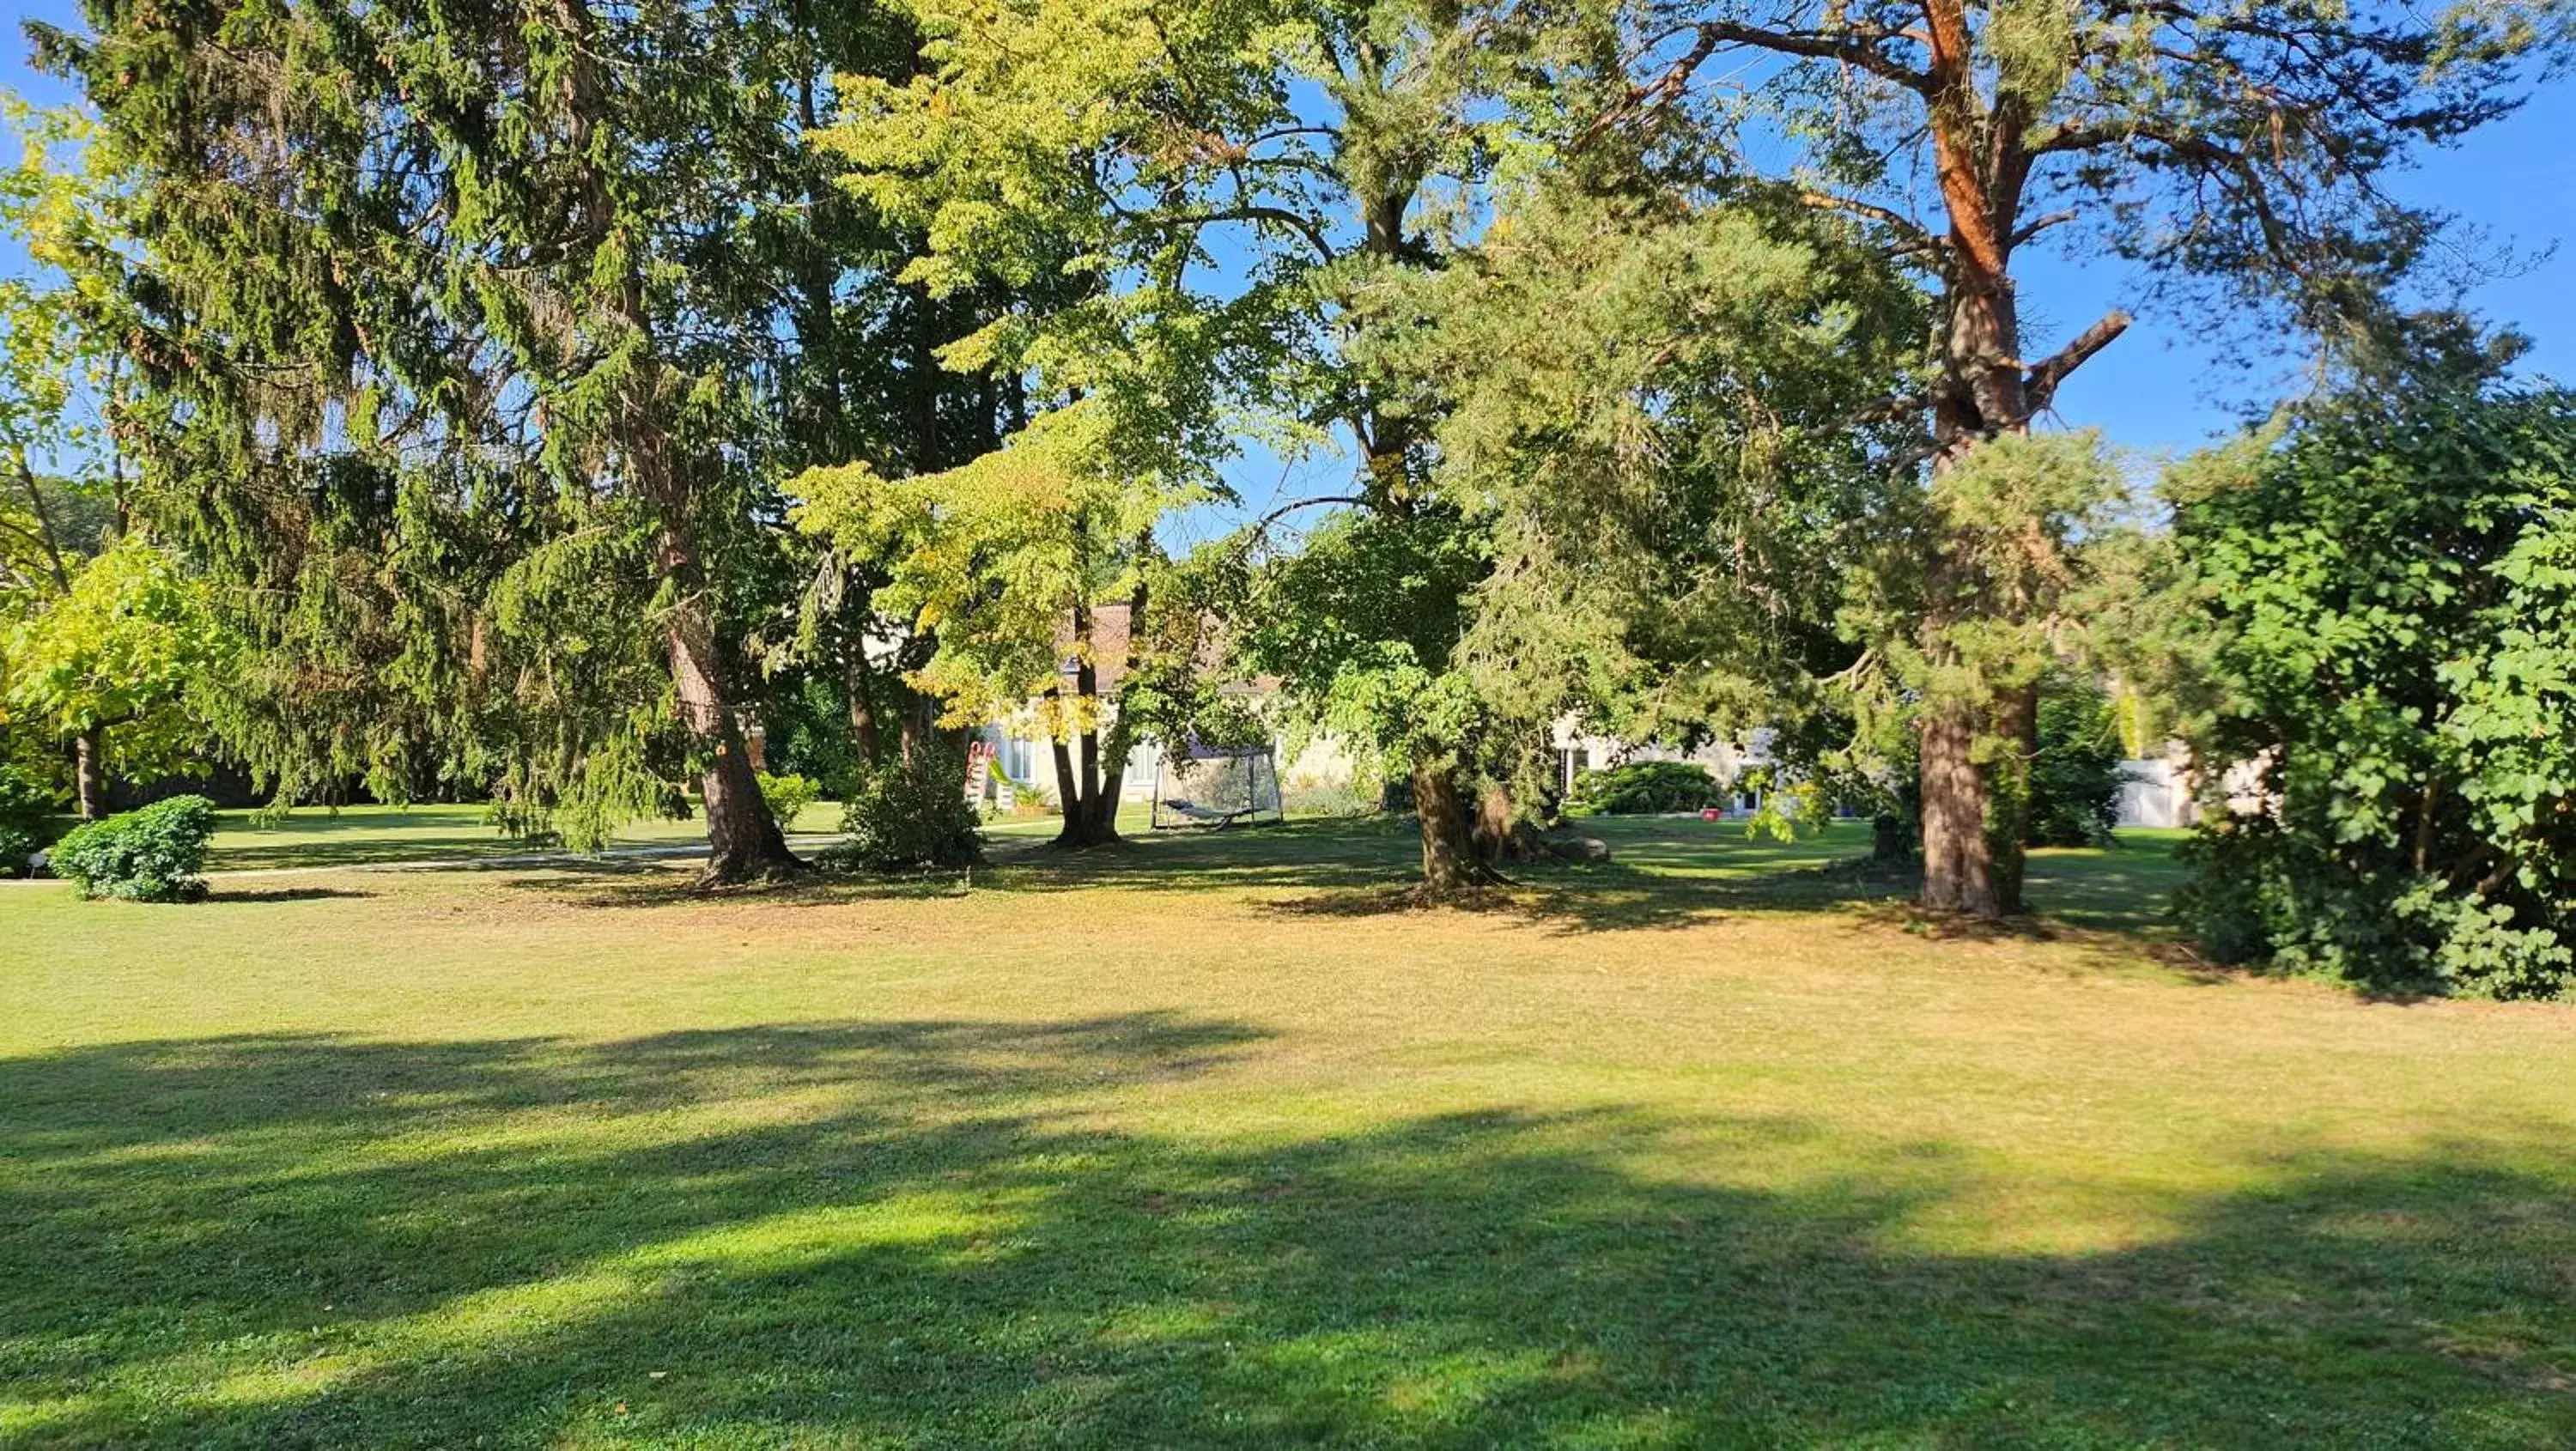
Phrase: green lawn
(1207,1142)
(315,836)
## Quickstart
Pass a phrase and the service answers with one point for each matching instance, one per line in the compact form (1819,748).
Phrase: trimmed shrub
(787,795)
(1644,788)
(910,814)
(152,855)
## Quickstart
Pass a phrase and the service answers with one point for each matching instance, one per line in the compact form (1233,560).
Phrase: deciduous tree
(1241,175)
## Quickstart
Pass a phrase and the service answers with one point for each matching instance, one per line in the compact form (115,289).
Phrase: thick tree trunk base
(744,843)
(1500,838)
(1960,872)
(1071,839)
(1453,872)
(749,868)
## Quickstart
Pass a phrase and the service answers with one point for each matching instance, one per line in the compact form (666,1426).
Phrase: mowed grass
(1207,1142)
(315,836)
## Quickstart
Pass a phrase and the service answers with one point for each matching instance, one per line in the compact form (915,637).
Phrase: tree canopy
(552,398)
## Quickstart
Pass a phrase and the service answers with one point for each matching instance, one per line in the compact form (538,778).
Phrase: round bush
(910,814)
(155,854)
(786,796)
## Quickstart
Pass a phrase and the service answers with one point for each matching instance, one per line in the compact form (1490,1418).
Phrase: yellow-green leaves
(120,648)
(991,558)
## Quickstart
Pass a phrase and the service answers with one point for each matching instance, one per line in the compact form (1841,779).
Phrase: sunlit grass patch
(1155,1147)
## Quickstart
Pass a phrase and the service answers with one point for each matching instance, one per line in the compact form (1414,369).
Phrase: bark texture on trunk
(743,843)
(1958,867)
(1499,837)
(1448,849)
(1086,785)
(1087,801)
(89,772)
(1972,822)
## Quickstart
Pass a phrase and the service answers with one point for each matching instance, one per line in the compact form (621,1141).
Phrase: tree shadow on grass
(1666,874)
(226,893)
(933,1234)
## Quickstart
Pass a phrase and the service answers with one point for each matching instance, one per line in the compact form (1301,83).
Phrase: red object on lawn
(1710,813)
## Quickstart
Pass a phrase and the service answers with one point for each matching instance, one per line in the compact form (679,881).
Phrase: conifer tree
(481,336)
(2234,149)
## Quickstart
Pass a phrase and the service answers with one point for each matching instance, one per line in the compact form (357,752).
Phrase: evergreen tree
(481,337)
(2234,149)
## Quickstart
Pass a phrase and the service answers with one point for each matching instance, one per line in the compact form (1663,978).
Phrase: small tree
(61,392)
(111,660)
(2391,600)
(1005,565)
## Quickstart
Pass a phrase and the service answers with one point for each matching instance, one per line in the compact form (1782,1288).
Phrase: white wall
(2154,794)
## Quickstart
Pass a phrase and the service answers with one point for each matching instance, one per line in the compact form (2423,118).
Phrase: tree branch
(1257,212)
(1817,45)
(2034,227)
(1897,221)
(1846,48)
(1275,515)
(2042,385)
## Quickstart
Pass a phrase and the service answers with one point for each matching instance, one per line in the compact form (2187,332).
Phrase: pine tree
(2234,149)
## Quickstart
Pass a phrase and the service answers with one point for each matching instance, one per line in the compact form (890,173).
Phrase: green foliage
(910,813)
(1648,409)
(524,314)
(2391,601)
(1641,788)
(1360,624)
(992,559)
(121,649)
(2021,521)
(787,795)
(18,847)
(26,812)
(2075,778)
(154,854)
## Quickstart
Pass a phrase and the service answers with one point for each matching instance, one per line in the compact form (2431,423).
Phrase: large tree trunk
(89,772)
(1449,866)
(743,843)
(1968,866)
(1958,864)
(1087,802)
(1499,836)
(1090,812)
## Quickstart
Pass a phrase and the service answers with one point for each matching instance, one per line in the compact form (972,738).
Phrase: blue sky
(2159,388)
